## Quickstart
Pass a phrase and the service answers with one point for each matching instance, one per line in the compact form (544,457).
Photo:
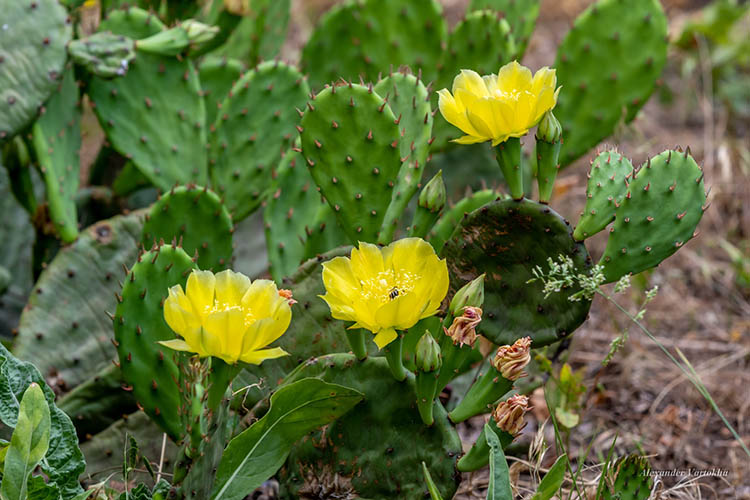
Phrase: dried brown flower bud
(510,360)
(463,329)
(509,414)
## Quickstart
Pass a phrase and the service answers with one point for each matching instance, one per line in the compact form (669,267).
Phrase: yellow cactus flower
(388,289)
(496,107)
(228,316)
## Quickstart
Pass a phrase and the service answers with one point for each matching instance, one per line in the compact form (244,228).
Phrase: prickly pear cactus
(659,213)
(410,101)
(33,35)
(103,54)
(195,217)
(148,367)
(630,480)
(153,115)
(260,34)
(56,137)
(217,76)
(520,14)
(345,459)
(607,186)
(375,36)
(610,61)
(451,218)
(506,240)
(64,329)
(254,126)
(350,141)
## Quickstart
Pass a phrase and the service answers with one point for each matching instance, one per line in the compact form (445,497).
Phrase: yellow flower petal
(367,261)
(257,357)
(513,78)
(471,82)
(385,337)
(261,298)
(223,332)
(231,287)
(200,290)
(338,276)
(453,112)
(177,345)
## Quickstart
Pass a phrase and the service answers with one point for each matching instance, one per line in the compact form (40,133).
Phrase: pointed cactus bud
(509,414)
(433,194)
(428,353)
(471,294)
(510,360)
(198,32)
(463,329)
(549,129)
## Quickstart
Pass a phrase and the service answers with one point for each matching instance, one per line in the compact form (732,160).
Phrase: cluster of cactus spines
(521,17)
(610,61)
(409,100)
(98,402)
(371,36)
(384,464)
(481,41)
(103,54)
(56,137)
(451,218)
(217,76)
(33,39)
(629,480)
(63,327)
(195,217)
(607,186)
(350,141)
(312,333)
(664,202)
(147,367)
(506,240)
(153,115)
(253,128)
(260,34)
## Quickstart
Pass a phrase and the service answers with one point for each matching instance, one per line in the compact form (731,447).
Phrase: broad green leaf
(258,452)
(28,444)
(499,487)
(552,480)
(434,492)
(63,462)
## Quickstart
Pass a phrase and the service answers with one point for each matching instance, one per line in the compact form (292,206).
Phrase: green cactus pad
(153,115)
(370,37)
(605,190)
(253,128)
(506,240)
(103,54)
(608,65)
(663,205)
(290,212)
(217,76)
(409,100)
(64,329)
(312,332)
(33,36)
(452,217)
(521,17)
(196,218)
(629,479)
(384,464)
(481,42)
(57,140)
(350,141)
(259,35)
(147,366)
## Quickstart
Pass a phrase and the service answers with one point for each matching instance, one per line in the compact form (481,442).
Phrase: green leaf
(552,480)
(499,487)
(259,451)
(28,444)
(434,492)
(566,417)
(63,462)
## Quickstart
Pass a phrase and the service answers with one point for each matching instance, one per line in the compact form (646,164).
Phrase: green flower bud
(549,129)
(471,294)
(198,32)
(428,353)
(433,194)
